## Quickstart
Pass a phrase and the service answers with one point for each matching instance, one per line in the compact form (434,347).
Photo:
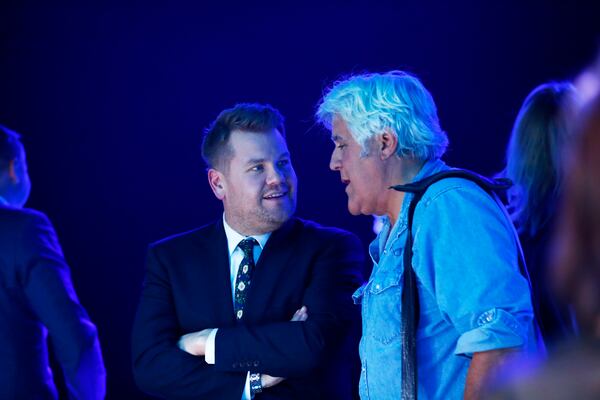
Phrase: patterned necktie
(244,275)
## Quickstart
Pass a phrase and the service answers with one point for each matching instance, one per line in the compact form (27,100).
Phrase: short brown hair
(250,117)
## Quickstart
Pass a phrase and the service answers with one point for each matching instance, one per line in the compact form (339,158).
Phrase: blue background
(111,100)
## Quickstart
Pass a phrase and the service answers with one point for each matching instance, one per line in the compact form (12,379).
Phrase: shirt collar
(429,168)
(234,237)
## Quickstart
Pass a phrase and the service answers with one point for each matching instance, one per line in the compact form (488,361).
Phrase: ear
(216,180)
(12,173)
(387,143)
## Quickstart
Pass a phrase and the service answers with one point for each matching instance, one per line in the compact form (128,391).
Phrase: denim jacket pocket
(386,279)
(384,304)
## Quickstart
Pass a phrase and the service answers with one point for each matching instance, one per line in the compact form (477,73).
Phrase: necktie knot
(247,245)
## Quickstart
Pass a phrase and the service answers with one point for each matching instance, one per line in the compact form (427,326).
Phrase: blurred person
(535,164)
(37,298)
(474,307)
(588,82)
(259,302)
(577,266)
(573,369)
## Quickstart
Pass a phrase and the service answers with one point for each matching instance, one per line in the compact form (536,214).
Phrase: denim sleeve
(465,255)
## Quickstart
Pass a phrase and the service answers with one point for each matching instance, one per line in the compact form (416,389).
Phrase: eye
(283,163)
(257,168)
(340,146)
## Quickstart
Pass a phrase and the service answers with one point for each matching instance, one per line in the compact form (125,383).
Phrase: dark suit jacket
(187,289)
(37,297)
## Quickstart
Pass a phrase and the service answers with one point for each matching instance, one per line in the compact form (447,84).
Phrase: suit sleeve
(291,349)
(159,366)
(47,284)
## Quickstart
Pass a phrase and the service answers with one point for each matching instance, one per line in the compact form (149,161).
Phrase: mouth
(346,182)
(275,195)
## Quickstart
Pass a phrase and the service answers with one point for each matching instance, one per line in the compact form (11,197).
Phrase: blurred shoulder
(13,218)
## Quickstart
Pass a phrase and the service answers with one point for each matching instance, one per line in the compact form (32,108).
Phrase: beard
(261,218)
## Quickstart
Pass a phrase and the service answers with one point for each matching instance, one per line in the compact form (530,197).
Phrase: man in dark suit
(259,302)
(37,298)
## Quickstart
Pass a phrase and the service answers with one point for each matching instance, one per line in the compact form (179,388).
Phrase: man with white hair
(447,269)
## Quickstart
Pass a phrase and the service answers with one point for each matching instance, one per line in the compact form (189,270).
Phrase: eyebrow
(337,138)
(253,161)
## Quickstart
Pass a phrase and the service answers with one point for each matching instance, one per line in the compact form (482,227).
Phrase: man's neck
(244,231)
(234,237)
(400,171)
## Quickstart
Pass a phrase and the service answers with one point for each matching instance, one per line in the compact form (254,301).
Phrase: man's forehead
(339,127)
(245,132)
(250,147)
(244,138)
(265,157)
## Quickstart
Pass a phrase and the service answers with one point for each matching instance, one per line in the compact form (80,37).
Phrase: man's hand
(194,343)
(300,315)
(266,381)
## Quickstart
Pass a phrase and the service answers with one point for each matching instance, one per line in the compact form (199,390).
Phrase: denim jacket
(472,295)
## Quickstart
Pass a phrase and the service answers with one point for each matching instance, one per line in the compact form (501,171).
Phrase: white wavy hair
(396,102)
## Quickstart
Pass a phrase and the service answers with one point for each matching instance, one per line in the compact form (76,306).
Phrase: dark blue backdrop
(111,101)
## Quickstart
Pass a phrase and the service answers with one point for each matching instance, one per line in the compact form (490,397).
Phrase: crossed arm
(279,349)
(195,343)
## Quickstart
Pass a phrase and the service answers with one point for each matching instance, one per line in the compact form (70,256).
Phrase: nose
(275,176)
(335,162)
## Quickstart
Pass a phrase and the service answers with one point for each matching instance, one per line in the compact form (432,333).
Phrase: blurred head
(577,272)
(384,127)
(534,157)
(250,169)
(14,179)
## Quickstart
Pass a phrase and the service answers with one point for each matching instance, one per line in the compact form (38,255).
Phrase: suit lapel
(270,269)
(217,276)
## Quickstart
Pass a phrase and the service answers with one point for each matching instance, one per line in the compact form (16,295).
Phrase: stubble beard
(260,220)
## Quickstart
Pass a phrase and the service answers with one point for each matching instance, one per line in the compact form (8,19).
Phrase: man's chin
(282,210)
(276,218)
(353,209)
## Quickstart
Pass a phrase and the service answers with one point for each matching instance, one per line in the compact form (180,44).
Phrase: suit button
(256,363)
(234,365)
(248,364)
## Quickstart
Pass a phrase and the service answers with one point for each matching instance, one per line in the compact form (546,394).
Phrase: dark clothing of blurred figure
(36,299)
(534,163)
(554,318)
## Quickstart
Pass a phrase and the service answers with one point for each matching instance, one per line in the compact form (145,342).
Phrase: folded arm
(280,349)
(291,349)
(159,366)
